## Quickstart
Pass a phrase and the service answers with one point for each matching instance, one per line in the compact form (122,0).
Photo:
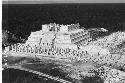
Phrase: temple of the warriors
(56,40)
(62,42)
(60,35)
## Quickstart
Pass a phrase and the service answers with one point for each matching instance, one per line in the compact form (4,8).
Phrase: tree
(4,37)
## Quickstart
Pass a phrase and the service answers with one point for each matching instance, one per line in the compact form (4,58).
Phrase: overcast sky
(59,1)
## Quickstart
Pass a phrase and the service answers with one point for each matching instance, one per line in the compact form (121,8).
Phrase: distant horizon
(59,1)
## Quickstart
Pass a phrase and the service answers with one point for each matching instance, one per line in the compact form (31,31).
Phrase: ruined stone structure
(63,34)
(58,40)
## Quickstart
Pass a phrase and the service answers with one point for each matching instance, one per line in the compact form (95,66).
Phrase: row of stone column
(54,51)
(111,59)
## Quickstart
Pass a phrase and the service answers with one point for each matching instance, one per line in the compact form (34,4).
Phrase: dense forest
(21,19)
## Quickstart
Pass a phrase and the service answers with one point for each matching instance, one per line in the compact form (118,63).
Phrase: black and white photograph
(63,41)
